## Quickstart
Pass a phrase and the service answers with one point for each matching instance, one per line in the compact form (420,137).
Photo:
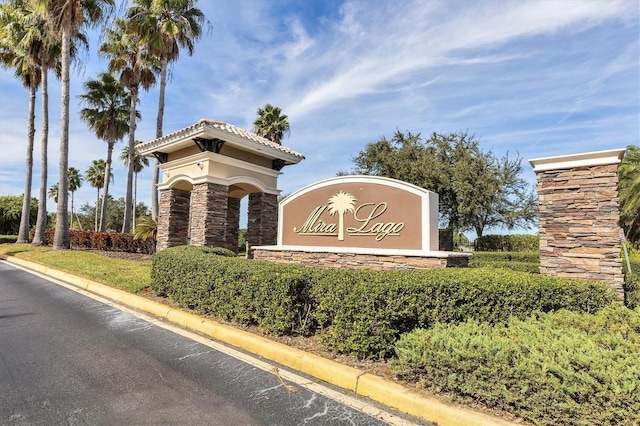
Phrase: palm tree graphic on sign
(341,203)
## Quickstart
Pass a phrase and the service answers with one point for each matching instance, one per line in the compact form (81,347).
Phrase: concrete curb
(360,382)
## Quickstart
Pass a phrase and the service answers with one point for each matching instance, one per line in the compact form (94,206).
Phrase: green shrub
(8,239)
(531,268)
(105,241)
(11,213)
(364,312)
(507,243)
(506,256)
(632,290)
(558,368)
(634,259)
(516,261)
(214,281)
(358,312)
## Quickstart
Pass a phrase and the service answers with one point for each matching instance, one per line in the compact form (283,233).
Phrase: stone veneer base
(359,258)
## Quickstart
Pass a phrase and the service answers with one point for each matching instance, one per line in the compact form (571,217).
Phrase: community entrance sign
(360,212)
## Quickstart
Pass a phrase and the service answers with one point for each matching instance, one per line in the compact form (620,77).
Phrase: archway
(206,169)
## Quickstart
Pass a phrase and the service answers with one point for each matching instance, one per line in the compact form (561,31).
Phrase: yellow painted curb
(397,396)
(364,384)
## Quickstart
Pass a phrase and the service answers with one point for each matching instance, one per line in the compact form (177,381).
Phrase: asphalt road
(67,359)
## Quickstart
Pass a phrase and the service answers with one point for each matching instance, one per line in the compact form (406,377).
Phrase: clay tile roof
(214,126)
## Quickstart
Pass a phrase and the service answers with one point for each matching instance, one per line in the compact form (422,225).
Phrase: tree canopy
(476,189)
(629,189)
(11,211)
(271,123)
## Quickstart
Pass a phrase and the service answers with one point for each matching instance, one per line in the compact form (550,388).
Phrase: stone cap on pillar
(587,159)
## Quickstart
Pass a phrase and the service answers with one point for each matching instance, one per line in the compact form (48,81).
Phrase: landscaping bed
(484,338)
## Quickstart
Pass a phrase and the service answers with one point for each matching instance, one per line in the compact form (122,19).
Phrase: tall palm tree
(139,163)
(629,189)
(271,123)
(341,203)
(14,54)
(66,18)
(106,112)
(166,26)
(75,182)
(26,33)
(128,56)
(32,33)
(95,176)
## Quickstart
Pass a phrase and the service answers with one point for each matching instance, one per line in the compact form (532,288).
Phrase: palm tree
(147,228)
(15,55)
(32,34)
(95,176)
(66,17)
(139,163)
(166,26)
(53,192)
(107,114)
(75,182)
(26,46)
(271,123)
(341,203)
(629,189)
(127,55)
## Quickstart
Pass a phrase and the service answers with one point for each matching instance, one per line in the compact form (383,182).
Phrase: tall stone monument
(579,212)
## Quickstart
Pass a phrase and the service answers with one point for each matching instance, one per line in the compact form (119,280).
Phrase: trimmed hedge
(557,368)
(356,311)
(506,256)
(105,241)
(516,261)
(274,297)
(8,239)
(364,312)
(516,242)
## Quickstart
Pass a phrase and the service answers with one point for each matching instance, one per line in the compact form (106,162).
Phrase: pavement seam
(364,384)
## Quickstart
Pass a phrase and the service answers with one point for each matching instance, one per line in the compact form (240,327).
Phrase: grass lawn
(127,275)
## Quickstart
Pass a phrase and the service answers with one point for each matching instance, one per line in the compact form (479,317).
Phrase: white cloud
(538,77)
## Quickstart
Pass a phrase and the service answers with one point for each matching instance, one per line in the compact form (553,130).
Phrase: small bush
(8,239)
(558,368)
(507,243)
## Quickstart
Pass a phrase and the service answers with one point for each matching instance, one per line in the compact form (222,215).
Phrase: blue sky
(534,78)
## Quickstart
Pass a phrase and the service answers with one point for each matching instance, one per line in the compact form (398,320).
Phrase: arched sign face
(361,212)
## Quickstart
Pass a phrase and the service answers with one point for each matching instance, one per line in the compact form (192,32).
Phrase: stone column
(578,213)
(233,224)
(173,218)
(209,214)
(262,228)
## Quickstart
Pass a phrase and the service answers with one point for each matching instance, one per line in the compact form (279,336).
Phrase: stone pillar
(578,213)
(173,218)
(208,214)
(233,224)
(262,228)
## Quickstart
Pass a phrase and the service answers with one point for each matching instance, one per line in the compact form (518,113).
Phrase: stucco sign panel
(360,212)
